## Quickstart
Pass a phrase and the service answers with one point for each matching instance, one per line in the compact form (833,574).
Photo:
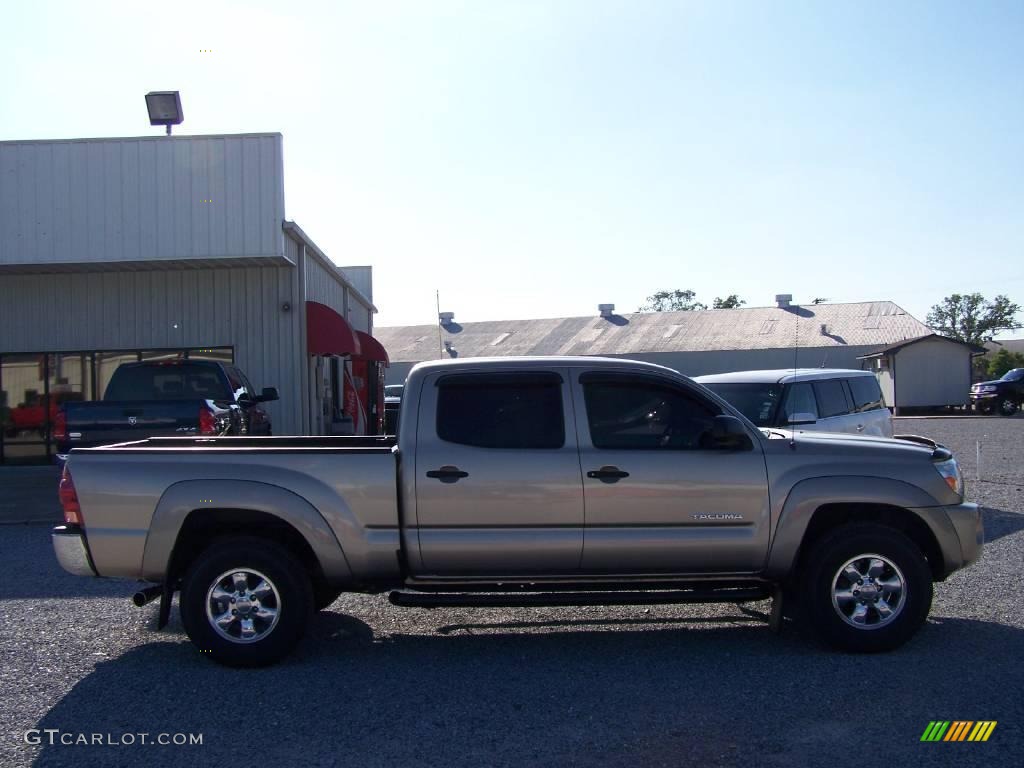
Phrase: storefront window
(33,387)
(160,355)
(218,354)
(24,385)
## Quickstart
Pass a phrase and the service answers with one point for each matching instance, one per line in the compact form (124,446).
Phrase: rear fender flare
(180,499)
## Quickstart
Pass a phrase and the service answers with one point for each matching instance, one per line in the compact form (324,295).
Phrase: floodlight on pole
(164,108)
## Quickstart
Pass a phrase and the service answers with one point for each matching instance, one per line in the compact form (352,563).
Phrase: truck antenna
(796,361)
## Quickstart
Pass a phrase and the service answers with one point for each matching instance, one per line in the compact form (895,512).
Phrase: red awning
(328,333)
(372,349)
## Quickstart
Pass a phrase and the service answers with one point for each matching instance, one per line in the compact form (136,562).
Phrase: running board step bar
(410,599)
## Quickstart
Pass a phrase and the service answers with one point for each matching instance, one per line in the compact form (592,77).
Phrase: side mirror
(728,433)
(801,418)
(268,394)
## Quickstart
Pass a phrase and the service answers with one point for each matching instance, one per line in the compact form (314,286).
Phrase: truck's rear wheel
(246,601)
(868,588)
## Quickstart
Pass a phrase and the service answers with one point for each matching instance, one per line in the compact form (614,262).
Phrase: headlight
(950,472)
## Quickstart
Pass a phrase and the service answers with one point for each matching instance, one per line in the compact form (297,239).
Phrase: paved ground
(668,686)
(29,494)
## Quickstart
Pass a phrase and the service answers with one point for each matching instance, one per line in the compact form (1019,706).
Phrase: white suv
(823,399)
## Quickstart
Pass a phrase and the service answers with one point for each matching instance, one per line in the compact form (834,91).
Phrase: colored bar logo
(959,730)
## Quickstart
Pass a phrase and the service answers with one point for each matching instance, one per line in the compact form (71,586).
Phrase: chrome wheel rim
(243,605)
(869,591)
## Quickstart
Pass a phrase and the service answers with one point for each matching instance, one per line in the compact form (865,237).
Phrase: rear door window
(831,396)
(521,411)
(867,395)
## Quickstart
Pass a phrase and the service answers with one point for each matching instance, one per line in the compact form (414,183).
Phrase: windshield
(1015,375)
(758,402)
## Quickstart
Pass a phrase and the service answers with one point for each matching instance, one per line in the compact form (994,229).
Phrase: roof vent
(783,299)
(606,310)
(446,317)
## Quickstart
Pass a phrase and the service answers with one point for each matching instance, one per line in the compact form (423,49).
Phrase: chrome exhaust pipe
(147,595)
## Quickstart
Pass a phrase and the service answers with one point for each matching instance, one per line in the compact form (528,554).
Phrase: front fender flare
(180,499)
(808,495)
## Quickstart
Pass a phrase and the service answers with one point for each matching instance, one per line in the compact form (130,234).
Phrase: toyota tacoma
(525,482)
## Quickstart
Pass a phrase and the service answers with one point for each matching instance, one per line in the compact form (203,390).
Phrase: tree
(732,301)
(1004,360)
(971,318)
(672,301)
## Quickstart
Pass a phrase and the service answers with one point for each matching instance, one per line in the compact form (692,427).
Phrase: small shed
(933,372)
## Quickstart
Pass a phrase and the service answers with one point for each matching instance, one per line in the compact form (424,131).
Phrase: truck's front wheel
(246,601)
(868,588)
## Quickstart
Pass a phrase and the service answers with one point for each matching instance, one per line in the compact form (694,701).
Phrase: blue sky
(534,159)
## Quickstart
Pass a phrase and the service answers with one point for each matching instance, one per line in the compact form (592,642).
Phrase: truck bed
(342,491)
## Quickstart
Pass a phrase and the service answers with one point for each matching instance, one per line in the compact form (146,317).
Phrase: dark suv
(1004,395)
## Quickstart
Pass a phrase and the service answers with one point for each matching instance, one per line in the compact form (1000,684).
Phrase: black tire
(1008,407)
(820,578)
(323,596)
(291,597)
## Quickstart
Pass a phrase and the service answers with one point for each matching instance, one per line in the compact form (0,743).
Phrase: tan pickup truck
(520,482)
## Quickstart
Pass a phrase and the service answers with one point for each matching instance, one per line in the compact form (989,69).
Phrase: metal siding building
(160,244)
(130,202)
(695,342)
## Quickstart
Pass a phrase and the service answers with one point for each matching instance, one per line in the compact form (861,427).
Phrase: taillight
(60,426)
(207,421)
(69,499)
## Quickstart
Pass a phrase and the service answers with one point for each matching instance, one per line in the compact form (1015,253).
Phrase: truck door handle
(447,474)
(607,474)
(860,427)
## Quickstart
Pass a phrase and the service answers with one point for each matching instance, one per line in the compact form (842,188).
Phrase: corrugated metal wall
(325,287)
(361,278)
(239,307)
(113,200)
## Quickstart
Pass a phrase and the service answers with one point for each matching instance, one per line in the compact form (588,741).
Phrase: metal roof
(864,324)
(975,349)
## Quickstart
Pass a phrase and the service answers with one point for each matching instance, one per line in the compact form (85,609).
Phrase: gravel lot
(376,685)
